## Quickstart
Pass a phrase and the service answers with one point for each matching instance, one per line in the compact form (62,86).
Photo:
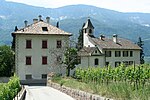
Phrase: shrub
(9,91)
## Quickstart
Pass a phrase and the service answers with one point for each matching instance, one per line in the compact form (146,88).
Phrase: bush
(9,91)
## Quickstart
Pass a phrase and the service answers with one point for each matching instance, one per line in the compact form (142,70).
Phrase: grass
(117,91)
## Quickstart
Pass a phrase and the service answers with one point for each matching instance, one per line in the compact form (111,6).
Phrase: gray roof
(88,24)
(87,51)
(108,43)
(36,28)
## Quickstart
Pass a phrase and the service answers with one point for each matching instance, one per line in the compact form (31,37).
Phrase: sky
(118,5)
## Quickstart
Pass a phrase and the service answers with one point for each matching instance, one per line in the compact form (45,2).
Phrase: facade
(102,51)
(33,47)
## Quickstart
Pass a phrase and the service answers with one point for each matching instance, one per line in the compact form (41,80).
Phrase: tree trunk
(68,72)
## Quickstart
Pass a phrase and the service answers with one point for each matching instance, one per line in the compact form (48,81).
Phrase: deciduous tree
(6,61)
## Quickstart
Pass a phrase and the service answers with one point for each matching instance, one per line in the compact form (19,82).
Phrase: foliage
(6,61)
(138,76)
(115,90)
(140,43)
(70,59)
(8,91)
(80,39)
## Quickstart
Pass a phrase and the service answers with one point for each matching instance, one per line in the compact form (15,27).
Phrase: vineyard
(137,76)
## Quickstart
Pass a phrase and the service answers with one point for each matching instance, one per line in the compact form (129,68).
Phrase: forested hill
(71,18)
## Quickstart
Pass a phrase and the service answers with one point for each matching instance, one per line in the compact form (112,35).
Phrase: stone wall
(77,94)
(4,79)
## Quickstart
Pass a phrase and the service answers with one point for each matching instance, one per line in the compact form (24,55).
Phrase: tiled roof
(36,28)
(108,43)
(88,24)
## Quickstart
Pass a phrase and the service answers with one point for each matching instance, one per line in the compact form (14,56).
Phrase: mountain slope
(107,22)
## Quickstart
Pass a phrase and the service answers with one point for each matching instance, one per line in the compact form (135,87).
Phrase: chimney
(40,18)
(16,28)
(48,20)
(102,37)
(35,20)
(57,25)
(115,39)
(26,23)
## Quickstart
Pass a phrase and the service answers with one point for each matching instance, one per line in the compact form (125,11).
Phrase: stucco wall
(89,61)
(86,41)
(135,58)
(36,68)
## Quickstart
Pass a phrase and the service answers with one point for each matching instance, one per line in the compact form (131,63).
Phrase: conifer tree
(140,43)
(80,39)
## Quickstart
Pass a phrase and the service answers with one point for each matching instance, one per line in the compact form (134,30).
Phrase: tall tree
(6,61)
(80,39)
(71,59)
(140,43)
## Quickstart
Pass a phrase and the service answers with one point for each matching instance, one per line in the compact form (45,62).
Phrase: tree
(71,59)
(80,39)
(64,58)
(6,61)
(140,43)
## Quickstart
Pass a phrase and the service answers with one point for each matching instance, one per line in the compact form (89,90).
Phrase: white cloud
(119,5)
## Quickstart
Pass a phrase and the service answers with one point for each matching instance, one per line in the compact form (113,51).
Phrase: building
(103,51)
(33,46)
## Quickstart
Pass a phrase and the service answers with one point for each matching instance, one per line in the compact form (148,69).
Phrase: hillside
(107,22)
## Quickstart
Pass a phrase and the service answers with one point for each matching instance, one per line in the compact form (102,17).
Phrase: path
(45,93)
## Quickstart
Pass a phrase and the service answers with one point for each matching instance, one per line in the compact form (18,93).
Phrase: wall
(89,61)
(4,79)
(36,68)
(113,59)
(77,94)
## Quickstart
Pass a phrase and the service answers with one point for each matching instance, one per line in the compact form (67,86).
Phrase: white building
(33,45)
(103,51)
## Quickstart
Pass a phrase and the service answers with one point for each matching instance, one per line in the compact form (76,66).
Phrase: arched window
(96,61)
(90,30)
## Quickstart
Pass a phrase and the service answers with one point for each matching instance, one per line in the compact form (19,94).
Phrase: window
(44,76)
(59,59)
(125,63)
(107,64)
(28,44)
(117,53)
(85,30)
(28,60)
(29,76)
(58,43)
(44,44)
(108,53)
(95,51)
(96,61)
(90,30)
(44,29)
(125,53)
(130,62)
(44,60)
(117,64)
(79,59)
(131,53)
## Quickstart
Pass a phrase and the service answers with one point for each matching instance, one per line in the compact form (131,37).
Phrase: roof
(41,28)
(88,24)
(87,51)
(108,43)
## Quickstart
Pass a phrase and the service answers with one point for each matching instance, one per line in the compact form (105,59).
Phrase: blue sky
(118,5)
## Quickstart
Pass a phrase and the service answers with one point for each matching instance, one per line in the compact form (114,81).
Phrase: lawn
(117,91)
